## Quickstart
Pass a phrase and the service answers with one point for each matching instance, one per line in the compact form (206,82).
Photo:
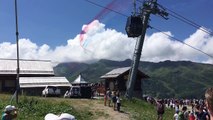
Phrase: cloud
(104,43)
(160,47)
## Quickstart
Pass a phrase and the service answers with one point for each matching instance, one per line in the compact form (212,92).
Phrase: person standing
(184,115)
(209,101)
(160,109)
(10,113)
(109,95)
(191,116)
(202,114)
(114,100)
(105,99)
(176,115)
(118,102)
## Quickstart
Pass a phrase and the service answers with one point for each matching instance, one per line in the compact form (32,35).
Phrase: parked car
(51,91)
(75,91)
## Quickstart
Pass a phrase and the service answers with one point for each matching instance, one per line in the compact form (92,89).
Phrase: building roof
(115,72)
(119,71)
(9,66)
(28,82)
(79,80)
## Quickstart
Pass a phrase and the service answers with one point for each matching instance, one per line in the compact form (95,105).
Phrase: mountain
(180,79)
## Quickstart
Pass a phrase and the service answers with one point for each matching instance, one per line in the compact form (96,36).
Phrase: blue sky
(54,22)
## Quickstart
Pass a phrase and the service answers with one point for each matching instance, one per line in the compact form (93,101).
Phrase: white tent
(79,80)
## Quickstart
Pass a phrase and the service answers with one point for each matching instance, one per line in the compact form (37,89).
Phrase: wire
(190,22)
(181,42)
(184,19)
(106,8)
(139,1)
(154,28)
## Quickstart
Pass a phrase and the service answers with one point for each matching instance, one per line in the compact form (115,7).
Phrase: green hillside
(35,108)
(181,79)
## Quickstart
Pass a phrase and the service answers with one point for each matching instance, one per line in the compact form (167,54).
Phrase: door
(0,86)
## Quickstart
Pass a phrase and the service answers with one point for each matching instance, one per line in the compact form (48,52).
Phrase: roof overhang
(30,82)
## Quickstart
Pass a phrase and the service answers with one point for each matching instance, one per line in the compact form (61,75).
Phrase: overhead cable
(106,8)
(153,28)
(181,41)
(190,22)
(184,19)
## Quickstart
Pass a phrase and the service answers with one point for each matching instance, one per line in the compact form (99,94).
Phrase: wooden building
(117,79)
(35,85)
(34,76)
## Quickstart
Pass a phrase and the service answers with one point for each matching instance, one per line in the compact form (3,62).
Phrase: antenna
(134,7)
(17,47)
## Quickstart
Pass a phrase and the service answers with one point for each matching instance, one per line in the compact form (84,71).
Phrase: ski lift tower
(136,27)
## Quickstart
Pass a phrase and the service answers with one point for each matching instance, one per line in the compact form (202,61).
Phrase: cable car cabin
(134,26)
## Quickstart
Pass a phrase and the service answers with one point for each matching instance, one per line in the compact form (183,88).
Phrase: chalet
(117,79)
(34,76)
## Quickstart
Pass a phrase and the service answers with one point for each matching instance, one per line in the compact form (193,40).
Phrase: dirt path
(101,112)
(110,113)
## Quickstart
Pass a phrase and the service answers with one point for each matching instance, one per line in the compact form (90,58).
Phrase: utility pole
(149,7)
(17,47)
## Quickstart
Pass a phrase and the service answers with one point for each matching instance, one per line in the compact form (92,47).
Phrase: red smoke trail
(102,13)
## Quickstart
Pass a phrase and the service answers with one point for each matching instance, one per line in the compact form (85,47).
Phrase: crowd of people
(200,109)
(186,109)
(114,98)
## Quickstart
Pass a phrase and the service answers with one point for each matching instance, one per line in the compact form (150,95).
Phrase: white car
(75,91)
(51,91)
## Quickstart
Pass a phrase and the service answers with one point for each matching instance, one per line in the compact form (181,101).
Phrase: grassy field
(35,108)
(140,110)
